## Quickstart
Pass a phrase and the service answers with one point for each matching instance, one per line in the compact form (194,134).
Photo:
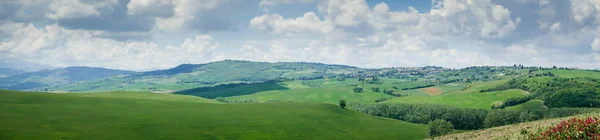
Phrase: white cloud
(64,9)
(275,23)
(57,46)
(585,9)
(596,44)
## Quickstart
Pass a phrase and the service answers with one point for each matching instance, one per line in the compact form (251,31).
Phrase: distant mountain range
(190,76)
(186,76)
(67,75)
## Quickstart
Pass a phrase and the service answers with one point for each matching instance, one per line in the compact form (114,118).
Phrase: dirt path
(433,91)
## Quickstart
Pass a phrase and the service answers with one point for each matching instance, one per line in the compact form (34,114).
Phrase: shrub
(375,89)
(439,127)
(575,128)
(343,103)
(358,89)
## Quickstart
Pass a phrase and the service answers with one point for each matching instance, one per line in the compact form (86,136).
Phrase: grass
(509,131)
(533,104)
(146,95)
(29,115)
(470,98)
(329,95)
(573,73)
(234,90)
(315,91)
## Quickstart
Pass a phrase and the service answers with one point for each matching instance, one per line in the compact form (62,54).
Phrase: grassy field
(146,95)
(510,131)
(533,104)
(28,116)
(316,95)
(315,91)
(573,73)
(470,98)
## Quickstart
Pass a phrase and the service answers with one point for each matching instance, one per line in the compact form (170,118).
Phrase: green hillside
(316,95)
(145,95)
(469,98)
(530,105)
(67,75)
(187,76)
(511,132)
(316,91)
(27,115)
(573,73)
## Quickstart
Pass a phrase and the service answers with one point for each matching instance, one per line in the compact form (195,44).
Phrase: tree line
(558,92)
(462,118)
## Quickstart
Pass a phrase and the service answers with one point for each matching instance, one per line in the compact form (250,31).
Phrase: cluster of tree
(558,92)
(372,80)
(463,118)
(418,87)
(439,127)
(357,89)
(549,74)
(375,89)
(392,92)
(512,101)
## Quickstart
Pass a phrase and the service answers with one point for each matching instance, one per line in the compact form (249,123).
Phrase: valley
(287,100)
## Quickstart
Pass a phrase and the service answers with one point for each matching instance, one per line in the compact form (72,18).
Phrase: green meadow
(469,98)
(573,73)
(33,115)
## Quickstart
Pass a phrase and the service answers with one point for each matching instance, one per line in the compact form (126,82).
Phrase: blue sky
(158,34)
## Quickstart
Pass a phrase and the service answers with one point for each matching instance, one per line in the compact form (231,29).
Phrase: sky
(159,34)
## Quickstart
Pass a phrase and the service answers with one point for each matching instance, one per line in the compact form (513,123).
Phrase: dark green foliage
(183,68)
(388,91)
(512,101)
(392,92)
(357,89)
(574,97)
(500,117)
(343,104)
(439,127)
(558,92)
(236,89)
(418,87)
(463,118)
(372,80)
(375,89)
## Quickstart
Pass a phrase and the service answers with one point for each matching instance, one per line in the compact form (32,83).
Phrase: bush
(439,127)
(358,89)
(463,118)
(343,103)
(575,128)
(500,117)
(512,101)
(375,89)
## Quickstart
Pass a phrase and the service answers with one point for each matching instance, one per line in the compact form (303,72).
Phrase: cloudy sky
(156,34)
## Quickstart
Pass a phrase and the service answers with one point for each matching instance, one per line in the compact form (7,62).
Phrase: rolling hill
(188,76)
(6,72)
(32,115)
(67,75)
(510,131)
(469,98)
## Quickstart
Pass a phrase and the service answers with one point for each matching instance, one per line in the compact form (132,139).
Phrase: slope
(510,131)
(470,98)
(187,76)
(145,95)
(56,76)
(58,116)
